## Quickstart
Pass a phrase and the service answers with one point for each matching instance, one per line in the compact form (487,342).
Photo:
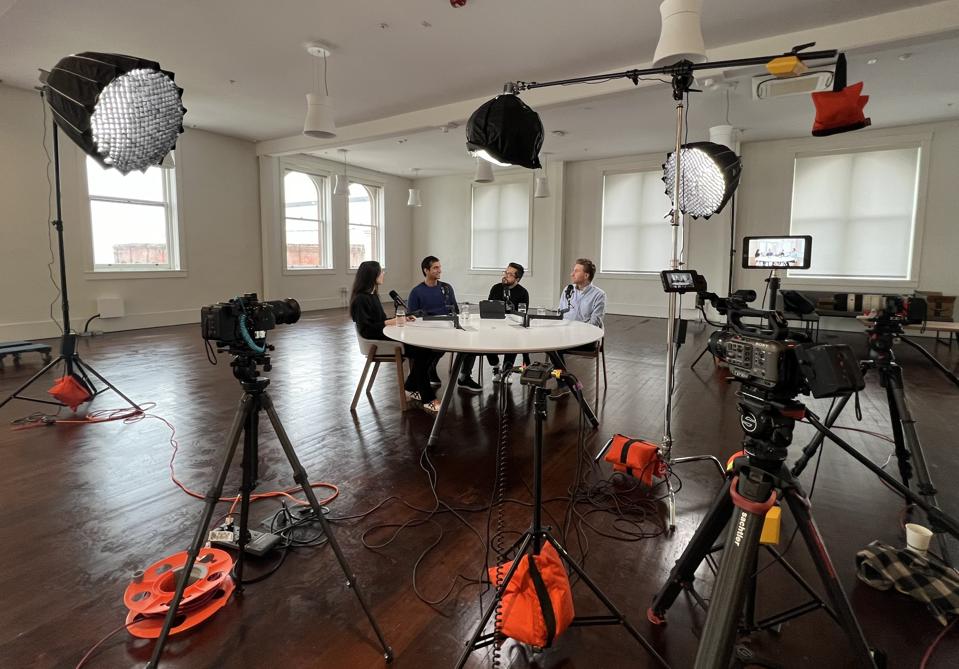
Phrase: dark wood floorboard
(83,506)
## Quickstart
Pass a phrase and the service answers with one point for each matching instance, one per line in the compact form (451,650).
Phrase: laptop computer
(492,309)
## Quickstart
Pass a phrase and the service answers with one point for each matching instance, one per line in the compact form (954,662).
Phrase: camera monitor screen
(772,252)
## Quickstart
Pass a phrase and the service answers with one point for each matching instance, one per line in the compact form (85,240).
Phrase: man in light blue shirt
(584,302)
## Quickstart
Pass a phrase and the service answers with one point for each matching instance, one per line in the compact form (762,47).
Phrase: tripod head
(767,420)
(246,369)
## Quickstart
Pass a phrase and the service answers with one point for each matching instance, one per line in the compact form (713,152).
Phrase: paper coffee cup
(917,538)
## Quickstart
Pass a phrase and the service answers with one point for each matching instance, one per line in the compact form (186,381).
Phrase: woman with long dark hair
(366,310)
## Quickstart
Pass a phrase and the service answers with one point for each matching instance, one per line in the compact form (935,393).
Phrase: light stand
(73,364)
(536,536)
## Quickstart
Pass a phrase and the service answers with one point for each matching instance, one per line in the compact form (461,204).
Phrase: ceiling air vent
(766,87)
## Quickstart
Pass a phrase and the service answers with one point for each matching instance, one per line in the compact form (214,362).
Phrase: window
(365,214)
(636,234)
(500,225)
(133,219)
(860,209)
(306,229)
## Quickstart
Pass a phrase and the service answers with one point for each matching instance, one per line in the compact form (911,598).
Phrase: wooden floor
(84,506)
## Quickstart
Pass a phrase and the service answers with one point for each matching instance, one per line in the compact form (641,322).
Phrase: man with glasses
(512,294)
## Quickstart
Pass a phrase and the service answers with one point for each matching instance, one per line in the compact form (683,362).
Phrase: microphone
(506,296)
(568,294)
(397,300)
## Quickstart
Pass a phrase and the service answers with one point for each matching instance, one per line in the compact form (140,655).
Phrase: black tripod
(751,488)
(247,420)
(533,539)
(73,365)
(908,449)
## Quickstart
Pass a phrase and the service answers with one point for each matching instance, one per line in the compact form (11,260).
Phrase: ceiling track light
(319,106)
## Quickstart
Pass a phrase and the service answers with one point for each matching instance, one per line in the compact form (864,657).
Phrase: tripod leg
(301,477)
(925,486)
(16,393)
(577,392)
(211,499)
(700,356)
(109,385)
(799,506)
(810,450)
(491,607)
(584,577)
(684,571)
(251,456)
(755,491)
(902,455)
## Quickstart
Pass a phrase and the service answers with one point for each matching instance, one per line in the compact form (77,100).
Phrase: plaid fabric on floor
(926,579)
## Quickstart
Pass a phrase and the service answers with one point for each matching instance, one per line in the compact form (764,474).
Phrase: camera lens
(285,311)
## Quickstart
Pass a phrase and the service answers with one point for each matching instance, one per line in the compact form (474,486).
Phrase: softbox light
(505,131)
(709,177)
(125,112)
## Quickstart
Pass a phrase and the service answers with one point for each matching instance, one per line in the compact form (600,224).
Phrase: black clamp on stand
(754,484)
(538,376)
(246,421)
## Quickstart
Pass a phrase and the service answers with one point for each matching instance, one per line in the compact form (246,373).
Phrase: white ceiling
(245,72)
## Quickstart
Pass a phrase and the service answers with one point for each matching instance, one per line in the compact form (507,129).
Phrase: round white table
(482,336)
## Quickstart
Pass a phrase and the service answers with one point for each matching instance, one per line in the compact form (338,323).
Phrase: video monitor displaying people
(771,252)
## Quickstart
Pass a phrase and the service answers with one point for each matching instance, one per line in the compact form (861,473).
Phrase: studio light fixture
(124,112)
(414,199)
(484,172)
(505,131)
(319,106)
(710,175)
(341,182)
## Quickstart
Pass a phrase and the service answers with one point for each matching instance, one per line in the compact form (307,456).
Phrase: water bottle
(521,308)
(465,311)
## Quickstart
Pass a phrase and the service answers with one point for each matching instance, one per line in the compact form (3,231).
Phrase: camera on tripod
(901,309)
(238,323)
(766,355)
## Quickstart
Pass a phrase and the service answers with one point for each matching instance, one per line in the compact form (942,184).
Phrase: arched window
(306,231)
(364,223)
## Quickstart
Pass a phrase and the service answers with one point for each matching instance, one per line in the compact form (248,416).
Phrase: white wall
(219,226)
(441,227)
(325,289)
(765,197)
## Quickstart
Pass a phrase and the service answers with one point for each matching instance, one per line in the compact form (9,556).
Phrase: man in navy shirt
(436,298)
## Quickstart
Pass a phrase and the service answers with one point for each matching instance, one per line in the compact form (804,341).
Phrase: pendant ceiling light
(414,198)
(341,182)
(484,172)
(542,181)
(319,106)
(681,36)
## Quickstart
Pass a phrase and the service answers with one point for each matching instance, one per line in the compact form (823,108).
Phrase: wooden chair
(378,351)
(599,351)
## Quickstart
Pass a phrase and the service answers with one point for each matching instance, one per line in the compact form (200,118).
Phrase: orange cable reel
(149,594)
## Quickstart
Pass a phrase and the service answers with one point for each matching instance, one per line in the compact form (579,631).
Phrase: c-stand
(247,420)
(538,375)
(908,449)
(752,487)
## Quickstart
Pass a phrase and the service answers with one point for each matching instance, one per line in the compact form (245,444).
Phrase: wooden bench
(17,348)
